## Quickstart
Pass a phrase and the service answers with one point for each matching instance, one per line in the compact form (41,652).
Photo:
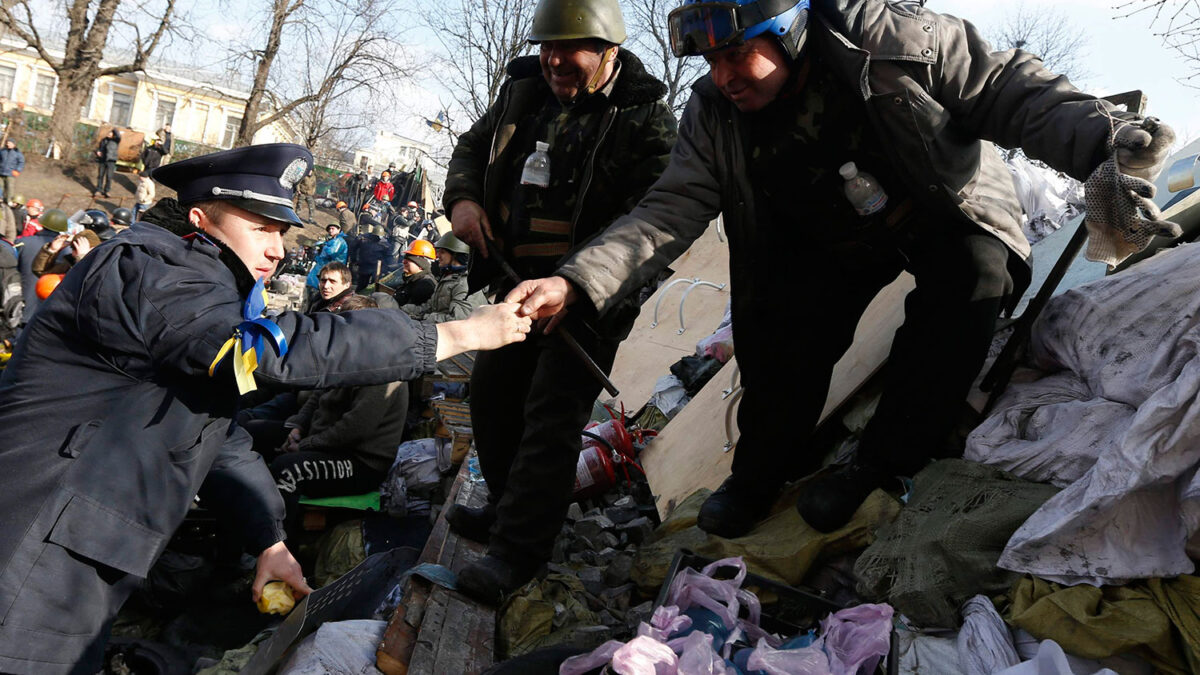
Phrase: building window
(8,77)
(199,121)
(86,110)
(43,91)
(122,108)
(231,131)
(164,114)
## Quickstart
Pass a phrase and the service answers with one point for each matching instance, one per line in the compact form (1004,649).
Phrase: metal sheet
(1182,174)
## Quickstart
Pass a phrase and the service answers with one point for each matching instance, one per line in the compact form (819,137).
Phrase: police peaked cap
(258,178)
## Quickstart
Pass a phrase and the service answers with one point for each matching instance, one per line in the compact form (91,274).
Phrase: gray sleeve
(1011,99)
(672,215)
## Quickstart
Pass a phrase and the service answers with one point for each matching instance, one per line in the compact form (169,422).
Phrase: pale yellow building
(198,107)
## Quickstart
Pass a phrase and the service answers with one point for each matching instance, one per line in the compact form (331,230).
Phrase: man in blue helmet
(916,99)
(117,403)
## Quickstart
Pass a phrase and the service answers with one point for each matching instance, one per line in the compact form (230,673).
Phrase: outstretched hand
(488,327)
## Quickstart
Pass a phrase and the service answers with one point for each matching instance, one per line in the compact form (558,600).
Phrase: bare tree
(1048,33)
(1177,23)
(480,37)
(88,32)
(651,41)
(338,48)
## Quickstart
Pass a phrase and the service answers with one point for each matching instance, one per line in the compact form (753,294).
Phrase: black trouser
(962,280)
(312,473)
(529,403)
(104,177)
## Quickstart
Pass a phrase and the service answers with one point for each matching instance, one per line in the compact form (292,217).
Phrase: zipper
(611,114)
(492,147)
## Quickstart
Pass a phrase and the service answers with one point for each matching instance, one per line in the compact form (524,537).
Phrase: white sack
(1127,405)
(343,647)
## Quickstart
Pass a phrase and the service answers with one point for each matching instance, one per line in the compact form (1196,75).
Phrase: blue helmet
(703,26)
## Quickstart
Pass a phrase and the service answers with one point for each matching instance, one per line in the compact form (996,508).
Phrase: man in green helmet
(451,299)
(607,136)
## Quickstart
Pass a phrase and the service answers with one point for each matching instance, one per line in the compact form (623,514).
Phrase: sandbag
(781,548)
(343,647)
(1122,376)
(942,550)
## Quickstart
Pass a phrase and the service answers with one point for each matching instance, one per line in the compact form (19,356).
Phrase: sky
(1123,54)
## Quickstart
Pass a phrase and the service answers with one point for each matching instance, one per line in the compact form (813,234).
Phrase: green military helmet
(452,243)
(54,219)
(576,19)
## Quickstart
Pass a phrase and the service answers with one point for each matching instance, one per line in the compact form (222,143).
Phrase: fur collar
(172,217)
(635,86)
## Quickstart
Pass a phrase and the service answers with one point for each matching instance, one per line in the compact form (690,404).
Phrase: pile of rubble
(586,596)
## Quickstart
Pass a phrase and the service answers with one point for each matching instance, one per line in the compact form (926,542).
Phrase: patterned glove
(1142,148)
(1121,218)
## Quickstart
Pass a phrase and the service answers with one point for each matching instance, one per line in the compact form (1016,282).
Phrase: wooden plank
(435,630)
(689,454)
(647,354)
(456,368)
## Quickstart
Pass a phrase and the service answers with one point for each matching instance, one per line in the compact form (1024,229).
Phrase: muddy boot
(490,579)
(829,501)
(732,511)
(473,523)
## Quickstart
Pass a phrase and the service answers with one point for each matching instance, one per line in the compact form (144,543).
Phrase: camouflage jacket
(630,150)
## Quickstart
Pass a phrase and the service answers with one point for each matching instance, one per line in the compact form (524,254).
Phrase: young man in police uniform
(609,135)
(913,98)
(117,403)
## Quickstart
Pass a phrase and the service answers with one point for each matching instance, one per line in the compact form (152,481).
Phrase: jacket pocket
(79,438)
(98,533)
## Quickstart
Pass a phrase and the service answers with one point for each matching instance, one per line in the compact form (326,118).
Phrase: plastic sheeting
(343,647)
(1116,418)
(1048,198)
(984,644)
(1050,660)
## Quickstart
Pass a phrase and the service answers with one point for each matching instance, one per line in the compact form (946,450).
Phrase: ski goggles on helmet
(702,27)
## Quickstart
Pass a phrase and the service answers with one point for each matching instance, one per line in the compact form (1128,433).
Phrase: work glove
(1121,216)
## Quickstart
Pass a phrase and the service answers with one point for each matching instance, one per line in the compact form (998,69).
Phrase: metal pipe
(569,339)
(697,282)
(663,293)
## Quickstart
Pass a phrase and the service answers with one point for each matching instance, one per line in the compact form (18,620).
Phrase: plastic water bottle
(537,167)
(862,190)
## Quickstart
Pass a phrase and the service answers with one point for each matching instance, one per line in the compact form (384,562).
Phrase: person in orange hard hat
(414,282)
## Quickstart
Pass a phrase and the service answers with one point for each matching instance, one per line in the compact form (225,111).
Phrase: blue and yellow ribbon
(248,338)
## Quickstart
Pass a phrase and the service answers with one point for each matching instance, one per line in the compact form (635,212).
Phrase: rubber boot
(829,502)
(473,523)
(490,579)
(732,511)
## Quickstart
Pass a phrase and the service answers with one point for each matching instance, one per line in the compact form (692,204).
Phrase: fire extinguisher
(605,445)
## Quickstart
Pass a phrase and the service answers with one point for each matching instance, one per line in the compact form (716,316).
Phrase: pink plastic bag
(644,656)
(696,655)
(810,660)
(856,638)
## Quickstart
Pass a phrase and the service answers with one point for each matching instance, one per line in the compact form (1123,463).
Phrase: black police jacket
(112,424)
